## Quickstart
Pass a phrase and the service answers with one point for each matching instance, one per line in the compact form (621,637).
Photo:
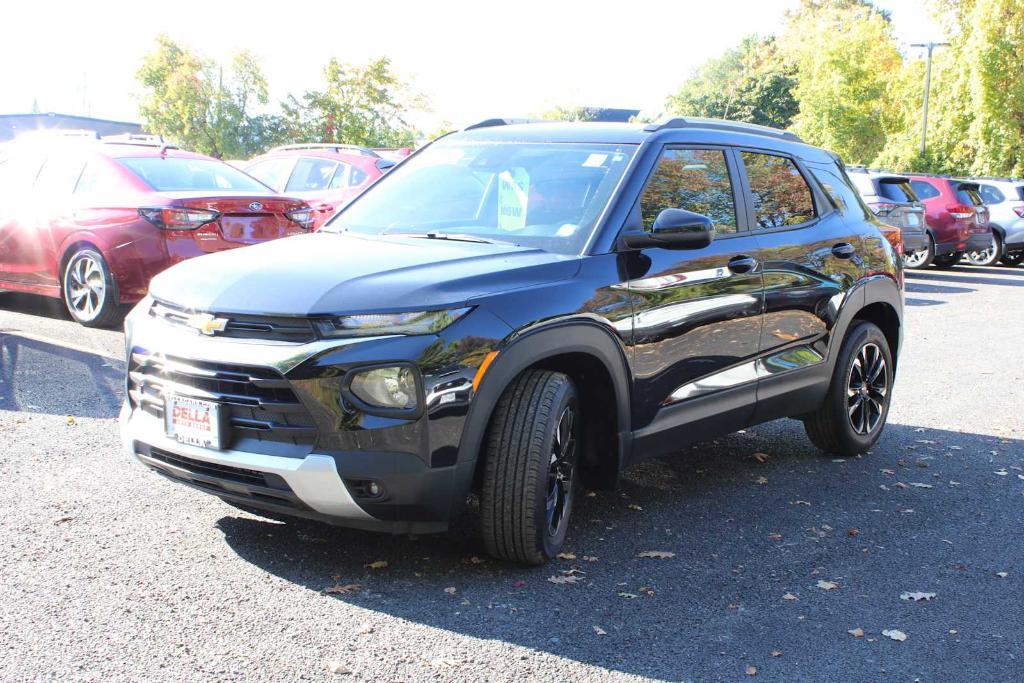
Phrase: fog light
(390,387)
(373,488)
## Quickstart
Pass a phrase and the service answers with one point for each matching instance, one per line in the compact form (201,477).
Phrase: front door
(697,313)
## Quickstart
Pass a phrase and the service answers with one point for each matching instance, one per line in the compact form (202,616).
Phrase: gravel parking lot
(786,564)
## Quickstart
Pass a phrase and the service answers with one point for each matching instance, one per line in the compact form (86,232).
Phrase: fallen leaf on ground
(1002,575)
(337,668)
(894,634)
(344,588)
(856,632)
(776,653)
(473,560)
(916,596)
(664,554)
(365,629)
(450,590)
(888,471)
(901,485)
(572,578)
(852,531)
(628,596)
(774,537)
(647,590)
(761,480)
(920,485)
(827,585)
(589,558)
(1001,473)
(760,457)
(751,670)
(590,494)
(789,596)
(71,420)
(600,631)
(566,556)
(518,583)
(634,506)
(61,520)
(379,564)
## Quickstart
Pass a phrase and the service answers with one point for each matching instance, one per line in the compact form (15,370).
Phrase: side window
(357,177)
(341,176)
(97,177)
(991,194)
(58,175)
(272,172)
(923,189)
(311,174)
(693,179)
(840,192)
(781,195)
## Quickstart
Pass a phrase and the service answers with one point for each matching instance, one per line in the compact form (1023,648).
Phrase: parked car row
(90,220)
(944,220)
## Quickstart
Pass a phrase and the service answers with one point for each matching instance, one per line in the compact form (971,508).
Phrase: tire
(989,256)
(89,290)
(1013,260)
(921,258)
(838,428)
(530,472)
(948,261)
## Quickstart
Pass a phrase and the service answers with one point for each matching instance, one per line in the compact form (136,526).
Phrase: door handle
(843,250)
(742,264)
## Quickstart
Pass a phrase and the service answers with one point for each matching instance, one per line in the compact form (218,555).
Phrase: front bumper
(422,482)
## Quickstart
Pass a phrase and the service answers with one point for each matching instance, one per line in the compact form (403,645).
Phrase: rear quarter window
(990,194)
(968,195)
(897,191)
(924,189)
(839,188)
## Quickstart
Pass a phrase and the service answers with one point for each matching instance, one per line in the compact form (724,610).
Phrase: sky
(472,60)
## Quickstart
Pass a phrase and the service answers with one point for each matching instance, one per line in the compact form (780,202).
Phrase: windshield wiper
(451,236)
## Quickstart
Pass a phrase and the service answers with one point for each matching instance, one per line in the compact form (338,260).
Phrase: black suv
(518,310)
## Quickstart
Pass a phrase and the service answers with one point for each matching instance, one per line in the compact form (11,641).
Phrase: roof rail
(336,146)
(720,124)
(134,139)
(490,123)
(43,133)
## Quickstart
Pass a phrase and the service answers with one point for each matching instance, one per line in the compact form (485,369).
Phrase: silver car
(893,200)
(1005,200)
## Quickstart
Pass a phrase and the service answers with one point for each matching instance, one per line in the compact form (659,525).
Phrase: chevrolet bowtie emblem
(207,323)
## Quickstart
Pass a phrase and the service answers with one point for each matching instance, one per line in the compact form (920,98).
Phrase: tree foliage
(747,83)
(193,101)
(360,106)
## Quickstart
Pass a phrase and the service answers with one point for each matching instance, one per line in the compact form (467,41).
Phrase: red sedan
(91,220)
(326,175)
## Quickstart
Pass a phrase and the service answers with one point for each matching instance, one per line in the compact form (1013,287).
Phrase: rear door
(18,214)
(54,217)
(697,313)
(812,258)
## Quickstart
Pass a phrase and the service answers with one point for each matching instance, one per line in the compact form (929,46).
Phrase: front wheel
(90,292)
(529,479)
(989,256)
(922,258)
(851,417)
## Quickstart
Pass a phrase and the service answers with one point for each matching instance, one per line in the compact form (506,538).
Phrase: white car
(1004,198)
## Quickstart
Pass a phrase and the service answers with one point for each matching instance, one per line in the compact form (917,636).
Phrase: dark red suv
(91,220)
(326,175)
(957,220)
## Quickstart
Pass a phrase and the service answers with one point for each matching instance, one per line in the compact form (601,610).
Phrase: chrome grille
(263,413)
(239,326)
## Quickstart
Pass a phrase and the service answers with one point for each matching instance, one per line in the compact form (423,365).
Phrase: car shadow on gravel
(924,288)
(967,279)
(753,521)
(48,307)
(39,377)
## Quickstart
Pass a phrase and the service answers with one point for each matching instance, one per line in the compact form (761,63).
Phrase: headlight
(378,324)
(391,388)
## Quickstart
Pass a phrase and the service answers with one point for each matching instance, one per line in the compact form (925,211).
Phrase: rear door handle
(843,250)
(742,264)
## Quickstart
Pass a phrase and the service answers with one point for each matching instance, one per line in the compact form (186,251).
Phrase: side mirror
(673,229)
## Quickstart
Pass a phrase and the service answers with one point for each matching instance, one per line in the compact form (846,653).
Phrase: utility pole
(927,89)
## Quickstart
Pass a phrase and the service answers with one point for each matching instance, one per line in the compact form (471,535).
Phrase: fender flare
(528,349)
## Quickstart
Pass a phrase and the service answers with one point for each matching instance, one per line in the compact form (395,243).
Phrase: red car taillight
(303,216)
(960,210)
(173,218)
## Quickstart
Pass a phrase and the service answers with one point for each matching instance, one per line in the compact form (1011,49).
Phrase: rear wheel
(988,256)
(529,479)
(853,413)
(1014,259)
(948,261)
(90,292)
(922,258)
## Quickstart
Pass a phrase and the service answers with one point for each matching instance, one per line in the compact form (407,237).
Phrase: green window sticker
(513,197)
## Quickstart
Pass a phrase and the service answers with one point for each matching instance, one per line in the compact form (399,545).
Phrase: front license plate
(192,421)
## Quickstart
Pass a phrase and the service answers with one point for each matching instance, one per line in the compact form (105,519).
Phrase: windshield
(546,195)
(171,174)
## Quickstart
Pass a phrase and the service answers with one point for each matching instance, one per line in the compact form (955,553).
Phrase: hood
(322,273)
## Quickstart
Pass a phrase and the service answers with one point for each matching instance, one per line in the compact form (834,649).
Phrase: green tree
(360,106)
(845,56)
(192,101)
(561,113)
(748,83)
